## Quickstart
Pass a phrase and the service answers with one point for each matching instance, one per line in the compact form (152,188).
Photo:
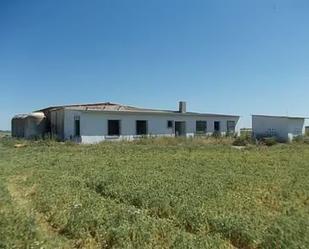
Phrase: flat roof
(118,108)
(278,116)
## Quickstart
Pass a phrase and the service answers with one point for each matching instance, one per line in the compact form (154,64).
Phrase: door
(217,127)
(180,128)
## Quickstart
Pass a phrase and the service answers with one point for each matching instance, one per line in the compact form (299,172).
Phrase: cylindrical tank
(13,127)
(35,125)
(18,125)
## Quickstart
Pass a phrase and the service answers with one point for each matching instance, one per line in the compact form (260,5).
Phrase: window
(271,132)
(201,127)
(231,126)
(77,126)
(141,127)
(170,124)
(113,127)
(217,126)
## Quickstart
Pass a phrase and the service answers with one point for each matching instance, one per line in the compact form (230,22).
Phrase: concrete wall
(296,128)
(69,124)
(281,127)
(93,125)
(57,124)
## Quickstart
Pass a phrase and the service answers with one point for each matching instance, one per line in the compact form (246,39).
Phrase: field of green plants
(153,194)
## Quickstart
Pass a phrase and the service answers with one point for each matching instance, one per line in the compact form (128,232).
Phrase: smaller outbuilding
(284,128)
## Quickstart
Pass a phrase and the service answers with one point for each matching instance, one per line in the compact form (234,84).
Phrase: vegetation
(4,133)
(153,193)
(243,140)
(301,139)
(268,141)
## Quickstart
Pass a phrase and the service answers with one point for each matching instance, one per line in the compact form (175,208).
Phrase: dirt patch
(239,147)
(19,145)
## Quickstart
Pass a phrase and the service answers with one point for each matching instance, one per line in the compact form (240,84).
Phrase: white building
(283,127)
(92,123)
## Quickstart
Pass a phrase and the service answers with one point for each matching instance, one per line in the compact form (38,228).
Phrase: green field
(5,133)
(153,194)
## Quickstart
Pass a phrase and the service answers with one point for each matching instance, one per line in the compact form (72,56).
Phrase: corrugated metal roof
(113,107)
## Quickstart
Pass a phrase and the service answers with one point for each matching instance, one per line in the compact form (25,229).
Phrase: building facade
(93,123)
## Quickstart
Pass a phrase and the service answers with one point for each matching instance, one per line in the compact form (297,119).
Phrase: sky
(232,57)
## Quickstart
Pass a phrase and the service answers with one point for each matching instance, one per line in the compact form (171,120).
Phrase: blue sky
(235,57)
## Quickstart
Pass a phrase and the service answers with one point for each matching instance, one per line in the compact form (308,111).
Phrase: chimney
(182,107)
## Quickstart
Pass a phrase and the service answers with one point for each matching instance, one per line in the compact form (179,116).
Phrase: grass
(153,193)
(5,133)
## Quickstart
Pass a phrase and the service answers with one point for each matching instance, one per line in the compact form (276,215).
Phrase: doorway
(180,128)
(217,127)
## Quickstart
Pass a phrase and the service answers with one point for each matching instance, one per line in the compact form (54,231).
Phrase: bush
(301,139)
(298,139)
(269,141)
(306,140)
(216,134)
(241,141)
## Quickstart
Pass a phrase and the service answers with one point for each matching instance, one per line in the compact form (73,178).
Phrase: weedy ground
(153,193)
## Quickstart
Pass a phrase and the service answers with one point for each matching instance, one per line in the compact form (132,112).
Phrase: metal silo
(35,125)
(18,125)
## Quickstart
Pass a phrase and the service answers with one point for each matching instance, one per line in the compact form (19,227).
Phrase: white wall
(283,127)
(69,123)
(93,124)
(296,128)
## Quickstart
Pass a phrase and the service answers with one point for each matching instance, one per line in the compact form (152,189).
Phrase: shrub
(306,140)
(301,139)
(216,134)
(298,139)
(241,141)
(269,141)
